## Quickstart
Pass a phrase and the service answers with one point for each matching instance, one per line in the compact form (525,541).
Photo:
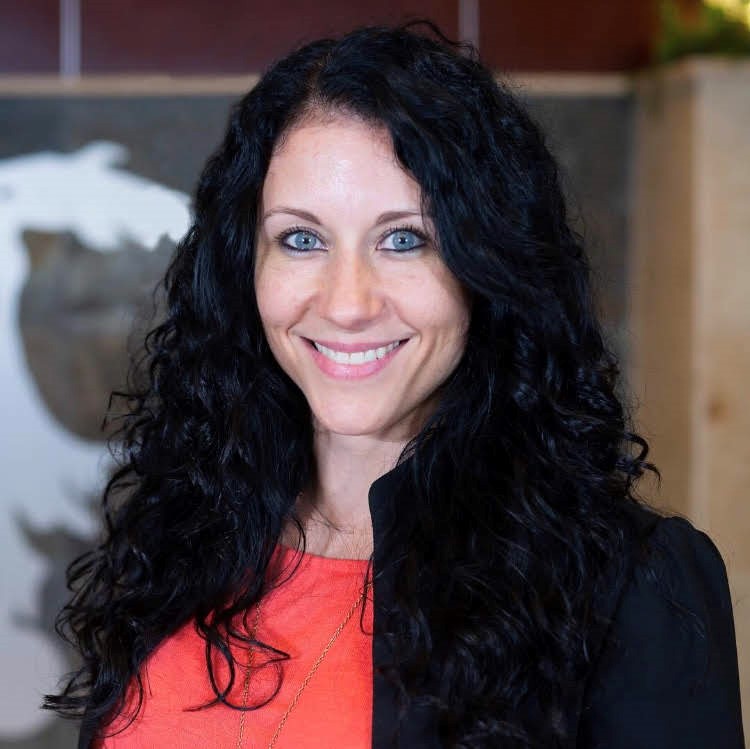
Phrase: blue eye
(404,239)
(300,240)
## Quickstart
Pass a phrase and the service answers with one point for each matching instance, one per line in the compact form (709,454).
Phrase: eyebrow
(307,216)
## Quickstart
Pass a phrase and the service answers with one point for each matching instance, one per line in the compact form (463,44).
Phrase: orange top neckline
(340,562)
(297,617)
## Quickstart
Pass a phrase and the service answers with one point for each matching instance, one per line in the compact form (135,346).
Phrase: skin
(330,180)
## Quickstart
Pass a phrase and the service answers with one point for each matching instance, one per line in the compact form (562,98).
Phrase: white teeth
(357,357)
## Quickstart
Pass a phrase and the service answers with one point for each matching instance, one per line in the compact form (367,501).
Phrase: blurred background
(107,113)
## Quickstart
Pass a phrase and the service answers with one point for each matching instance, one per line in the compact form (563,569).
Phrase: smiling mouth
(356,357)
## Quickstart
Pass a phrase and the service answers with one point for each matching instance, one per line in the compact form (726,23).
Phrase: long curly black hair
(517,481)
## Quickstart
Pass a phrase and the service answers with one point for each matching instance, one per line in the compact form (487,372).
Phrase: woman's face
(356,303)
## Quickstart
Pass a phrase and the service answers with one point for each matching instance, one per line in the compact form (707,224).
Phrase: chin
(350,427)
(355,422)
(365,420)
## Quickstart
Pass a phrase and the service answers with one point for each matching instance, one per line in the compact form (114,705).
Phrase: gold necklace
(305,681)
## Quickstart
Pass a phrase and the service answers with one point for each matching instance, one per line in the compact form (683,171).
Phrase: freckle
(717,408)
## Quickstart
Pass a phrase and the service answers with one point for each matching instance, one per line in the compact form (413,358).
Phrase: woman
(378,487)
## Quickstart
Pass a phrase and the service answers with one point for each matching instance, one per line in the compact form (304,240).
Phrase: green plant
(718,28)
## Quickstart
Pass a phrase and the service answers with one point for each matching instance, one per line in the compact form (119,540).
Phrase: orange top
(299,617)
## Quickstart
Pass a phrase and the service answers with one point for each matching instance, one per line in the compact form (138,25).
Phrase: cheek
(275,320)
(275,297)
(455,334)
(267,310)
(283,290)
(444,309)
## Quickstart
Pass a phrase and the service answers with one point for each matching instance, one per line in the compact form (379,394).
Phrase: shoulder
(666,674)
(677,565)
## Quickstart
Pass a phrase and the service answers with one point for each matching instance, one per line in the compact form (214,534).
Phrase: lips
(353,360)
(358,356)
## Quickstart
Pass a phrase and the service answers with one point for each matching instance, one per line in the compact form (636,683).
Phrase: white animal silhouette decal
(46,470)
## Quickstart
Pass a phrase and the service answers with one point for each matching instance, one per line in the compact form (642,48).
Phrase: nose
(351,295)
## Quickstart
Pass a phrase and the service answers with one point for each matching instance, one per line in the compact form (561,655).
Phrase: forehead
(338,158)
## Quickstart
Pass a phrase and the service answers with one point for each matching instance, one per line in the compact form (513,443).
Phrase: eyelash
(411,230)
(391,230)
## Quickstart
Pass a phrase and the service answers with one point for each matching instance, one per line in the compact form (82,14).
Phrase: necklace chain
(305,681)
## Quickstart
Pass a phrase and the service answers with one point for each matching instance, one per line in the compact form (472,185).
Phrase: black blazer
(657,683)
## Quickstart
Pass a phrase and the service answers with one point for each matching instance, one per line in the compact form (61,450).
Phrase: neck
(335,513)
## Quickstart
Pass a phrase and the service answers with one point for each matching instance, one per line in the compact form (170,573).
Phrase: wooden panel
(689,291)
(29,36)
(237,36)
(195,36)
(567,34)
